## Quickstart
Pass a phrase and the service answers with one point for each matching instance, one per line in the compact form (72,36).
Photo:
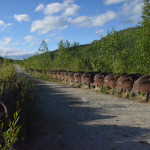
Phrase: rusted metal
(77,77)
(125,83)
(142,85)
(86,79)
(99,80)
(66,77)
(71,77)
(110,81)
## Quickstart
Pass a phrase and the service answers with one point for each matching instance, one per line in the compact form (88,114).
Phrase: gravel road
(83,119)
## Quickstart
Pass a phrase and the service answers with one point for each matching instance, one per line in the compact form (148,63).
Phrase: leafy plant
(10,136)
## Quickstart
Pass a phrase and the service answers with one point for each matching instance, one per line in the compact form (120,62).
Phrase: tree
(44,58)
(43,47)
(75,44)
(142,53)
(146,13)
(62,57)
(68,44)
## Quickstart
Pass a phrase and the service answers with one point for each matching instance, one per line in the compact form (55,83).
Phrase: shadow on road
(70,123)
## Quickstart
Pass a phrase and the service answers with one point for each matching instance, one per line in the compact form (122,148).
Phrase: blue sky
(24,23)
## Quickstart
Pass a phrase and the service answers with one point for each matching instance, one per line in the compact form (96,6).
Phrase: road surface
(83,119)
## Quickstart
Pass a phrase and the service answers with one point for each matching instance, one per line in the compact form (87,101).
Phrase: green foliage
(7,72)
(10,136)
(146,13)
(43,47)
(23,101)
(142,53)
(26,102)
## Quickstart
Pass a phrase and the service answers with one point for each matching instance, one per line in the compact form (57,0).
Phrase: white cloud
(68,1)
(65,17)
(7,49)
(67,8)
(51,35)
(59,38)
(54,8)
(95,21)
(1,22)
(132,11)
(48,24)
(5,42)
(71,11)
(22,17)
(99,31)
(102,19)
(39,7)
(31,39)
(4,26)
(82,21)
(56,16)
(110,2)
(47,40)
(15,53)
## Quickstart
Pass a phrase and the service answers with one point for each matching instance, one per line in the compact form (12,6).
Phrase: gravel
(83,119)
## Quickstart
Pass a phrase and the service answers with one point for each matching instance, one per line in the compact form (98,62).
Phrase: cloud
(82,21)
(59,38)
(68,1)
(22,56)
(54,8)
(129,12)
(39,7)
(99,31)
(95,21)
(71,11)
(47,40)
(56,16)
(51,35)
(59,16)
(22,17)
(102,19)
(7,49)
(15,53)
(5,42)
(132,11)
(31,39)
(1,22)
(4,26)
(49,23)
(110,2)
(67,8)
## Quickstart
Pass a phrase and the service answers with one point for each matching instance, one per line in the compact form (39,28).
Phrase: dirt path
(81,119)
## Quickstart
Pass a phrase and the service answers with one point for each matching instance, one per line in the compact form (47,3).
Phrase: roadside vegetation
(16,98)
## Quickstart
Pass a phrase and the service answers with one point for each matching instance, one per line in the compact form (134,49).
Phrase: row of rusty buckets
(128,84)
